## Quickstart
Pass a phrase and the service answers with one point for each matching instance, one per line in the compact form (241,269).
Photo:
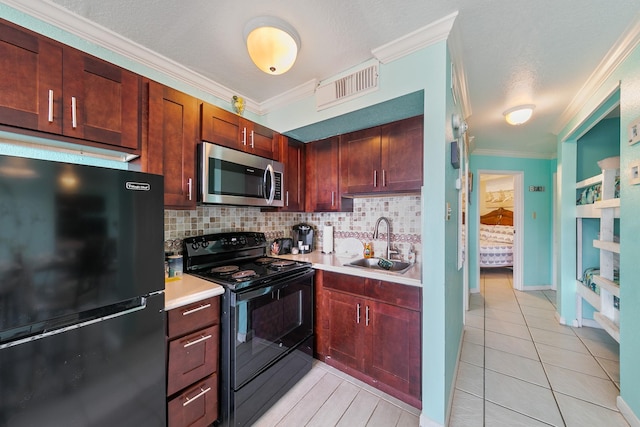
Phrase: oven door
(269,322)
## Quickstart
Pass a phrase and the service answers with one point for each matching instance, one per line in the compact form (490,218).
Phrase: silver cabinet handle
(252,144)
(202,393)
(189,185)
(74,115)
(193,310)
(367,316)
(244,136)
(375,178)
(50,115)
(333,197)
(287,198)
(384,178)
(199,340)
(358,314)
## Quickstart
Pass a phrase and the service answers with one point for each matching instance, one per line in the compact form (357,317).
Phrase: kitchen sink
(372,264)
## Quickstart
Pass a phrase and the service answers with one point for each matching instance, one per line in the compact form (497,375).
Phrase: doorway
(500,196)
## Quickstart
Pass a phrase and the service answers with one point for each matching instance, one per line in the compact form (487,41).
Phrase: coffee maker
(302,235)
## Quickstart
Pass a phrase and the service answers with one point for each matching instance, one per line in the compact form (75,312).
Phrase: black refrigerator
(82,322)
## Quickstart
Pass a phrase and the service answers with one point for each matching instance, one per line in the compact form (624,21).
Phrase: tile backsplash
(403,211)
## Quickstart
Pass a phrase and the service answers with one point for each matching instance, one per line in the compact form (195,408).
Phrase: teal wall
(623,84)
(426,71)
(537,233)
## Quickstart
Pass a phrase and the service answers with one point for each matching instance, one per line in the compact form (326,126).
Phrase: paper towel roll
(327,239)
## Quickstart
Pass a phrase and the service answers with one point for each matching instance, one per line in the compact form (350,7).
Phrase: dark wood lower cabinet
(371,329)
(193,333)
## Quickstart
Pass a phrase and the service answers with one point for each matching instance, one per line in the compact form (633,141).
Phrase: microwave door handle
(272,190)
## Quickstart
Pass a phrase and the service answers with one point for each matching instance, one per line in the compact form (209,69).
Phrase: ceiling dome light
(272,44)
(519,115)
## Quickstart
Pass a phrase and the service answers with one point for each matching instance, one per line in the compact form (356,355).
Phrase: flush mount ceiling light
(272,44)
(519,115)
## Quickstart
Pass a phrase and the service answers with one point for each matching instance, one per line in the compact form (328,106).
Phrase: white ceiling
(510,52)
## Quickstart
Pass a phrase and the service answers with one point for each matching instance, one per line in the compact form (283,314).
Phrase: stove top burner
(263,261)
(281,264)
(243,275)
(225,269)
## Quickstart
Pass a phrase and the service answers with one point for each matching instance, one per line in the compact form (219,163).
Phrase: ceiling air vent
(347,87)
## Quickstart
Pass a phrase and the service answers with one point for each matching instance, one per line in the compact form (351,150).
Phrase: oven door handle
(272,190)
(274,287)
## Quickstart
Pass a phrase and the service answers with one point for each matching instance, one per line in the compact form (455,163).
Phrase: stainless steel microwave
(232,177)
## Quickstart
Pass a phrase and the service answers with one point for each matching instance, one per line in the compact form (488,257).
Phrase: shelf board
(589,181)
(607,246)
(612,287)
(608,325)
(587,211)
(591,297)
(608,203)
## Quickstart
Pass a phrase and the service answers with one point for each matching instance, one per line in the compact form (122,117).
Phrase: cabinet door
(31,83)
(402,152)
(323,181)
(293,157)
(101,101)
(346,329)
(219,126)
(173,124)
(258,139)
(361,167)
(393,343)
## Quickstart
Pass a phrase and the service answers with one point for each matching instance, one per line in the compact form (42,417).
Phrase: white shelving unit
(606,210)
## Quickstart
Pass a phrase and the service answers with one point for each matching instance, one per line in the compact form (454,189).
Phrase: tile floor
(326,397)
(519,367)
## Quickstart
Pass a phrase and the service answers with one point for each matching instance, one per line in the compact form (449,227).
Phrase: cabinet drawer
(197,406)
(193,317)
(192,358)
(393,293)
(344,282)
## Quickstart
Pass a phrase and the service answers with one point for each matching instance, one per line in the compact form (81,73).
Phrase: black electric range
(237,260)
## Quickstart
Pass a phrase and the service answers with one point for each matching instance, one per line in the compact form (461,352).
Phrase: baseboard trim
(426,422)
(536,288)
(626,412)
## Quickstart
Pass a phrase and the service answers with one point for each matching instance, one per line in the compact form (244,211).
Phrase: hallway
(519,367)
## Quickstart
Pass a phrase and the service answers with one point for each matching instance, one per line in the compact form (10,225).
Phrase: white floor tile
(606,350)
(474,321)
(507,328)
(549,325)
(467,410)
(557,339)
(497,416)
(472,353)
(470,379)
(510,344)
(331,412)
(523,397)
(359,411)
(579,362)
(594,334)
(538,312)
(582,386)
(516,366)
(506,316)
(611,367)
(384,415)
(578,413)
(474,335)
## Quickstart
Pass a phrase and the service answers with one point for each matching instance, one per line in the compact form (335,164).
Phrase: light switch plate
(633,131)
(634,172)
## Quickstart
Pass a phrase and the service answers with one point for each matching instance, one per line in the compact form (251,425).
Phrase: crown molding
(76,25)
(416,40)
(620,51)
(516,154)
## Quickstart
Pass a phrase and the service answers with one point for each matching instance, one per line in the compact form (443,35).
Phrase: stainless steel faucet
(375,235)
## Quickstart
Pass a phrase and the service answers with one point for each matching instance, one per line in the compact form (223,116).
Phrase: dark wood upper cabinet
(222,127)
(323,191)
(171,144)
(292,154)
(52,88)
(383,159)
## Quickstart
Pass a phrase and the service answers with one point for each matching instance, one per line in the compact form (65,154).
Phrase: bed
(496,239)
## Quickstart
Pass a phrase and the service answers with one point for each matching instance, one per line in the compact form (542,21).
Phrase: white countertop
(335,263)
(188,289)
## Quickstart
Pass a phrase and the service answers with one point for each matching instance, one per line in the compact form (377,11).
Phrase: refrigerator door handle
(141,304)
